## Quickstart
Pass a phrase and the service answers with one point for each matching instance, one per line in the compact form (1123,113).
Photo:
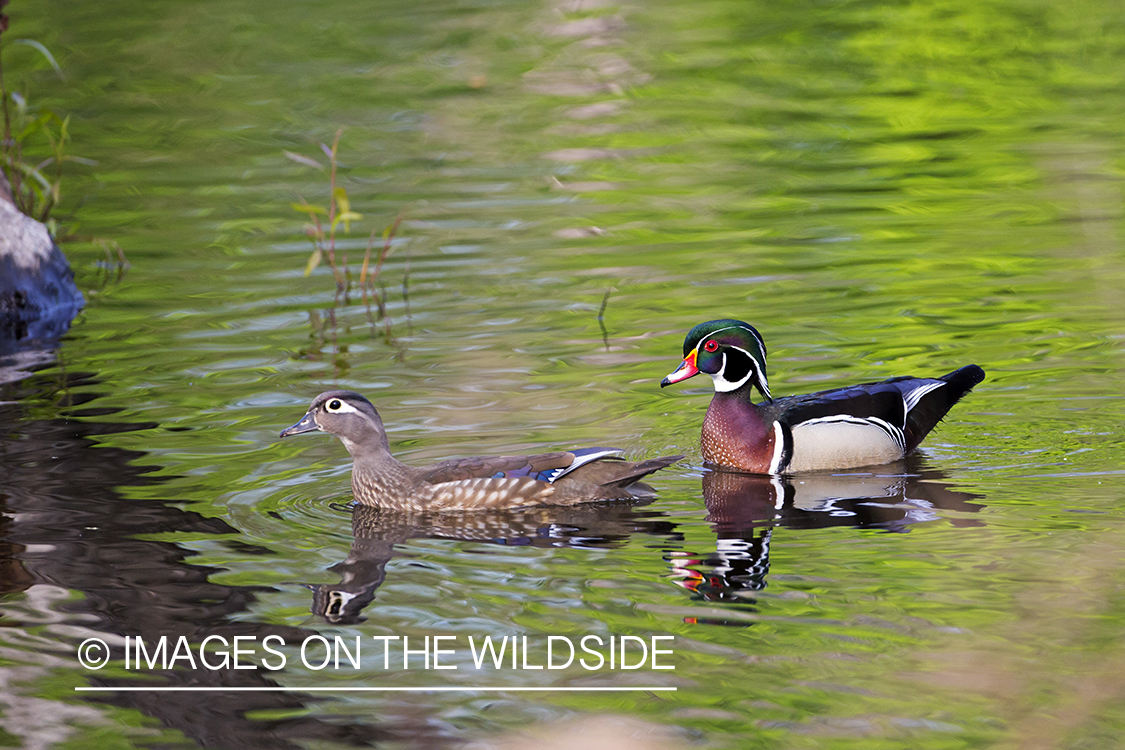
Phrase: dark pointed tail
(934,405)
(642,469)
(610,472)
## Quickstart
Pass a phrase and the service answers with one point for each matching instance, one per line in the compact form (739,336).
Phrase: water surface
(886,190)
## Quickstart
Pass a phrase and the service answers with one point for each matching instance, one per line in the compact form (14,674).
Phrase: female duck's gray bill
(305,425)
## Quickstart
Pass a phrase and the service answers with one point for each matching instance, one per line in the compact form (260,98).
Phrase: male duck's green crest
(862,425)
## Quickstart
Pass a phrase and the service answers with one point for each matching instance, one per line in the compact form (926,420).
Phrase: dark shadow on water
(746,508)
(67,524)
(377,531)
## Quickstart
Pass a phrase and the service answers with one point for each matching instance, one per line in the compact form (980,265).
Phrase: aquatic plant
(35,186)
(325,222)
(337,212)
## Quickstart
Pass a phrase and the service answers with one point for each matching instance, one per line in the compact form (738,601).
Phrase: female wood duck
(378,479)
(844,428)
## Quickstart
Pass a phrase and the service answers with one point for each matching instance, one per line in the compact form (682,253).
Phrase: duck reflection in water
(377,531)
(745,509)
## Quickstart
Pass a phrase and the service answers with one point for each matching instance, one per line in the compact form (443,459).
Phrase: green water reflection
(881,189)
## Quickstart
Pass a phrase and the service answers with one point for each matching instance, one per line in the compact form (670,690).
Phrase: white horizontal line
(443,689)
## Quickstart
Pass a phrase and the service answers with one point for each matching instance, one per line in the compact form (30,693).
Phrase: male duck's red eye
(711,345)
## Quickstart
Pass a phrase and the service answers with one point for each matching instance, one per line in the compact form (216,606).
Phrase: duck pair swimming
(842,428)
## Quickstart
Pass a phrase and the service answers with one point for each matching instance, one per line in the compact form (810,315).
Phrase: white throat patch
(722,385)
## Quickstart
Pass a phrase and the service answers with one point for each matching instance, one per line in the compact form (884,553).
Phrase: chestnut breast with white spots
(734,435)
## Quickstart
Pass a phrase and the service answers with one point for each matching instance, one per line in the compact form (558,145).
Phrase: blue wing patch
(582,456)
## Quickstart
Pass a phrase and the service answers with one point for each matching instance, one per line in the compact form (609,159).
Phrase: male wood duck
(844,428)
(484,483)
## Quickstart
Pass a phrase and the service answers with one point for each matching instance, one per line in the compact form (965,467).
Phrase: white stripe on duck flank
(912,397)
(841,442)
(895,433)
(582,461)
(778,448)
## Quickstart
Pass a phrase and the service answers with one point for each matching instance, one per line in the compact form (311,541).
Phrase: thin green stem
(332,211)
(8,145)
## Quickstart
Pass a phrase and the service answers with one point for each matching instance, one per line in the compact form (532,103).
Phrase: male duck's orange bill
(686,370)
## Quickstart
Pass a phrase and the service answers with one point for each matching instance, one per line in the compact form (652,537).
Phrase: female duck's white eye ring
(334,405)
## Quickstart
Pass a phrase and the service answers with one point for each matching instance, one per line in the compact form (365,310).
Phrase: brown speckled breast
(390,488)
(735,435)
(487,494)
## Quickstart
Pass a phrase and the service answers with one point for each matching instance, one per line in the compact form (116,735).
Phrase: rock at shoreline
(38,297)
